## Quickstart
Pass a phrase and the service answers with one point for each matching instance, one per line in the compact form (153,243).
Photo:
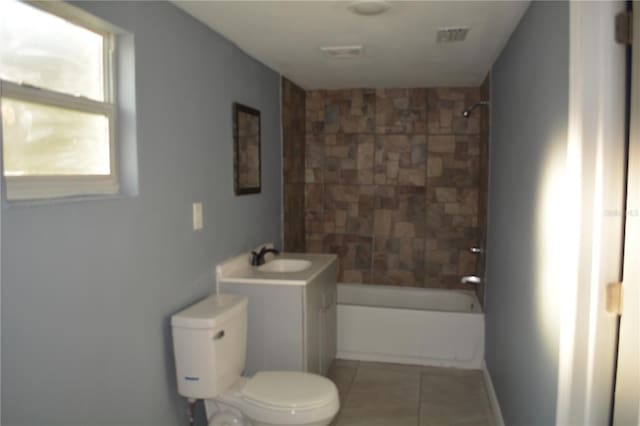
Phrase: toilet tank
(209,345)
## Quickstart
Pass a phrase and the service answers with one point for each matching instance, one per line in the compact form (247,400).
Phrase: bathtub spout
(471,279)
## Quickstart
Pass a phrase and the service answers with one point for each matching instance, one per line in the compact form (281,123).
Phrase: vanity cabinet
(292,324)
(320,323)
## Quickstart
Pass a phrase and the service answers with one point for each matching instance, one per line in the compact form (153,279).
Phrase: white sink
(285,265)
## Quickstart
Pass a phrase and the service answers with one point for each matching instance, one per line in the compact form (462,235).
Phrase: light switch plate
(197,216)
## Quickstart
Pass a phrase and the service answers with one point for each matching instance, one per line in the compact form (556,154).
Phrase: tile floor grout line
(346,394)
(463,384)
(353,379)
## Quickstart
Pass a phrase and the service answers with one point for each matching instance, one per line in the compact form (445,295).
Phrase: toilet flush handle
(219,335)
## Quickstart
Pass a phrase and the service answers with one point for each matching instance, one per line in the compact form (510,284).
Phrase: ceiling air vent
(343,52)
(448,35)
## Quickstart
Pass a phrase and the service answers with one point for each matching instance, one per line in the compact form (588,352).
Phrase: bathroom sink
(285,265)
(283,269)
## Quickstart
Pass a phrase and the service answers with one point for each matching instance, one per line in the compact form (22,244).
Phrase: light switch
(197,216)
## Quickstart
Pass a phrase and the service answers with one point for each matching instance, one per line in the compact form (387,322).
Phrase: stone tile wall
(392,183)
(483,186)
(293,152)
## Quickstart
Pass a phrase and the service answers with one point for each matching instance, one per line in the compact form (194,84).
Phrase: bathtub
(410,326)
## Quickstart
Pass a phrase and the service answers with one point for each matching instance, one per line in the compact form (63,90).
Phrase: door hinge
(624,27)
(614,298)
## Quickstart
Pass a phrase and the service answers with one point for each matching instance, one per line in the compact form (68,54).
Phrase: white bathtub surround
(493,397)
(412,326)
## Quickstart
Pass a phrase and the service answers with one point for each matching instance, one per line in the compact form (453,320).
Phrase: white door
(627,393)
(595,173)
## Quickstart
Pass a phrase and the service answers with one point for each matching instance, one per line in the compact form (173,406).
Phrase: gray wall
(530,88)
(88,287)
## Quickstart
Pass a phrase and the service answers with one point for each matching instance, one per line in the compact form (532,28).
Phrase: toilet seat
(289,389)
(286,398)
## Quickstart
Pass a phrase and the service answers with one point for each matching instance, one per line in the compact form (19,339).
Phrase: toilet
(209,344)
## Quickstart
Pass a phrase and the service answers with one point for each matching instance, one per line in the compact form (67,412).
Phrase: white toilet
(209,343)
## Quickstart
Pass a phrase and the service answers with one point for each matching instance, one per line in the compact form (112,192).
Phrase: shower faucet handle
(471,279)
(475,250)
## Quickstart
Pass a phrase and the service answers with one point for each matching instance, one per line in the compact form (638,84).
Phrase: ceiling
(400,48)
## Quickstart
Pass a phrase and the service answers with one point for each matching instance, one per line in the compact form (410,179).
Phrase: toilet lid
(289,389)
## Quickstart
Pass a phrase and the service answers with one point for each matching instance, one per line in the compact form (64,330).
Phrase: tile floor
(378,394)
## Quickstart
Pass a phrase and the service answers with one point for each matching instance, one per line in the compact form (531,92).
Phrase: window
(57,102)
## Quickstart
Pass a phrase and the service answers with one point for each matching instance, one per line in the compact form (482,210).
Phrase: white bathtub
(410,326)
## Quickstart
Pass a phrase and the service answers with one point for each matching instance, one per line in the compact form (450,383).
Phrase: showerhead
(467,112)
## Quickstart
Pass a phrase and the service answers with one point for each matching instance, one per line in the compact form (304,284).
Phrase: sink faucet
(257,259)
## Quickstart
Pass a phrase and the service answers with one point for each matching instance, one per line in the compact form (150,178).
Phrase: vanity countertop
(239,270)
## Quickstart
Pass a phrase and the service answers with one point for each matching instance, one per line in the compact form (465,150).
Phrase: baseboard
(493,398)
(397,359)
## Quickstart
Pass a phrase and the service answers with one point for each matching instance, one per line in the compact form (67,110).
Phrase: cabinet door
(274,332)
(313,326)
(327,327)
(320,320)
(328,335)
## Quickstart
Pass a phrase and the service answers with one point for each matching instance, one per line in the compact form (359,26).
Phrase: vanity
(292,310)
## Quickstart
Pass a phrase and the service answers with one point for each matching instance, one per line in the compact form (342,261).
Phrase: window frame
(57,186)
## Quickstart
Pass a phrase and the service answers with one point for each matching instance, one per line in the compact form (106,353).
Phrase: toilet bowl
(209,340)
(282,398)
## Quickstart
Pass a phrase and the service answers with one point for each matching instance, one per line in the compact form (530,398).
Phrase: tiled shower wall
(293,153)
(392,182)
(483,199)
